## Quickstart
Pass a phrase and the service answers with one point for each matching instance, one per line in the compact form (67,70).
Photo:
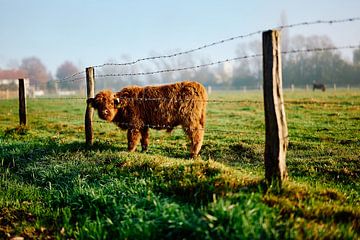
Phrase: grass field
(53,187)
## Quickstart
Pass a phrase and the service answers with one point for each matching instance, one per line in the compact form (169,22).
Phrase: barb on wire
(230,39)
(69,79)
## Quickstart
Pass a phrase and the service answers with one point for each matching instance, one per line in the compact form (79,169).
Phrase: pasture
(52,186)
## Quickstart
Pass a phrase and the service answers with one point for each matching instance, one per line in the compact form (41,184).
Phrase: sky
(92,32)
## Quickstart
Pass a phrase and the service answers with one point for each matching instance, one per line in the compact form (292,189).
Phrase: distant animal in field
(137,109)
(319,86)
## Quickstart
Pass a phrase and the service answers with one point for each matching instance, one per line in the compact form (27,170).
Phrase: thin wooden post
(276,139)
(89,133)
(22,102)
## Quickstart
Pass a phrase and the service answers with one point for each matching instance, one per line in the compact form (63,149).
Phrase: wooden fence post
(276,132)
(22,102)
(89,133)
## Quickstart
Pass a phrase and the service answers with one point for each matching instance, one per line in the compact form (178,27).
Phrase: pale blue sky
(89,32)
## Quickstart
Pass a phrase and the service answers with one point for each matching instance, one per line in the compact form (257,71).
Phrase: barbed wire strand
(230,39)
(71,76)
(288,102)
(152,99)
(177,69)
(320,49)
(69,79)
(164,127)
(223,61)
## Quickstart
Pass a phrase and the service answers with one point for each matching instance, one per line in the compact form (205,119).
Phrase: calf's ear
(119,103)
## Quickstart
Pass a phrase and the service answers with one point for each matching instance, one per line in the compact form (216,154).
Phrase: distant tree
(36,71)
(65,70)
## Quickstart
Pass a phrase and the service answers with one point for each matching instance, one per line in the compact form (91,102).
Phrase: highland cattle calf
(137,109)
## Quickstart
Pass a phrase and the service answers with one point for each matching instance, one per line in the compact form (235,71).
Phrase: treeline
(326,67)
(40,78)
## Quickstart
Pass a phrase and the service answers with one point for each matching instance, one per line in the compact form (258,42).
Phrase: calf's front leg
(144,138)
(133,137)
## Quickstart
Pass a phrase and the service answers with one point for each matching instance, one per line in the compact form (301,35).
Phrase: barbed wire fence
(80,77)
(75,76)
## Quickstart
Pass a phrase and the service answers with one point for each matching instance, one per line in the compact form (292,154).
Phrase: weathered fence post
(22,102)
(276,132)
(89,133)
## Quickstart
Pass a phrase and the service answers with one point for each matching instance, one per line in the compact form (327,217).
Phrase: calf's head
(106,103)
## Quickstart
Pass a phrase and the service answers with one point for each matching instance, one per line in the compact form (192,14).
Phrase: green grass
(54,187)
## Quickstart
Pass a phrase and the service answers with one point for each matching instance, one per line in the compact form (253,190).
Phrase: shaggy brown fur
(159,107)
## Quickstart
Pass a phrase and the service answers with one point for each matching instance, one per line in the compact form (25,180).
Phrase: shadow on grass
(20,154)
(196,181)
(44,161)
(234,154)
